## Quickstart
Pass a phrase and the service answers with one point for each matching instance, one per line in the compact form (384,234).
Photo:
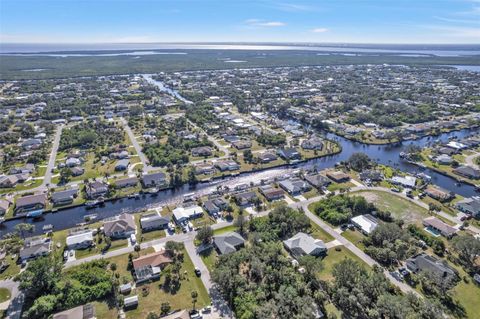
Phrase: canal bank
(382,154)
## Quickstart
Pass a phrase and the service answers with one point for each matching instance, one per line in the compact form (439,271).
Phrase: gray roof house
(154,179)
(153,221)
(295,186)
(318,181)
(313,143)
(303,244)
(439,226)
(64,197)
(122,165)
(35,247)
(96,189)
(424,262)
(126,182)
(120,226)
(31,202)
(470,206)
(228,243)
(4,205)
(468,172)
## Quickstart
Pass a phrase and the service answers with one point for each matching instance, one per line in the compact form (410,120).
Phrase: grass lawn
(338,186)
(333,257)
(224,230)
(180,299)
(355,237)
(12,270)
(147,236)
(209,258)
(103,310)
(97,249)
(4,294)
(399,207)
(318,233)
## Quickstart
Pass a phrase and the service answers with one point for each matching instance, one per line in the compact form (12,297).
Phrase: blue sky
(354,21)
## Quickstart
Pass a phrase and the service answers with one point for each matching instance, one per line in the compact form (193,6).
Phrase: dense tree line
(91,134)
(339,209)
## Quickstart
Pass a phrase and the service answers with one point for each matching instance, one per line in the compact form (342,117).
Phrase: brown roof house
(338,176)
(435,225)
(30,202)
(120,226)
(148,267)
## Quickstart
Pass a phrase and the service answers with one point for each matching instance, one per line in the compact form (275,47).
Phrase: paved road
(53,155)
(14,306)
(138,148)
(221,147)
(220,307)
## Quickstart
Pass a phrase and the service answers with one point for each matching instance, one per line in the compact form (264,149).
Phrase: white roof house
(366,223)
(303,244)
(80,239)
(406,181)
(182,214)
(456,145)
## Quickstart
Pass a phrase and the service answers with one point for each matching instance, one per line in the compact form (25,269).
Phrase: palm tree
(194,298)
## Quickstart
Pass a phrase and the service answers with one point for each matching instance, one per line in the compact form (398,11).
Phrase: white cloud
(263,23)
(319,30)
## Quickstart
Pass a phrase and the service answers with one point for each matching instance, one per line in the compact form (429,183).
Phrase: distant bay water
(64,50)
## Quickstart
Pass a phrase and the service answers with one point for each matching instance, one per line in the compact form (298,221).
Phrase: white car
(133,239)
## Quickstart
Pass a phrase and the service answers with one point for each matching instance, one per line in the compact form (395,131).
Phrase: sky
(320,21)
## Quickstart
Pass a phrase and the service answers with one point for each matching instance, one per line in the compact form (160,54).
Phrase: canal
(384,154)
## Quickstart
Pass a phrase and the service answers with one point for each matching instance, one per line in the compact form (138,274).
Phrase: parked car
(198,272)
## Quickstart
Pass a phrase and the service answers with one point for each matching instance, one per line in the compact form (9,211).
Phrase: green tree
(165,308)
(205,234)
(23,228)
(194,295)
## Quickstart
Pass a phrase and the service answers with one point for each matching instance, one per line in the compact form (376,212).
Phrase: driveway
(14,305)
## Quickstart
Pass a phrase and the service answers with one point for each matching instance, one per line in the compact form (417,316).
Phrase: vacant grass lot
(4,294)
(333,257)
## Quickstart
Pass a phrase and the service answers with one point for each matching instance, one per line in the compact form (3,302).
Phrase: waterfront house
(295,186)
(227,165)
(31,202)
(183,214)
(204,169)
(126,182)
(266,157)
(80,240)
(439,193)
(148,267)
(245,199)
(120,226)
(468,172)
(318,181)
(153,221)
(210,207)
(35,247)
(338,176)
(228,243)
(64,197)
(154,180)
(371,175)
(289,154)
(313,143)
(271,193)
(405,181)
(96,189)
(4,206)
(303,244)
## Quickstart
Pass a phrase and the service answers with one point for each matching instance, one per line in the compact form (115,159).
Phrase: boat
(92,204)
(35,213)
(47,229)
(90,217)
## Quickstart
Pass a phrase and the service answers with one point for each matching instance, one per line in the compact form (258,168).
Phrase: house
(64,197)
(242,144)
(154,180)
(365,223)
(228,242)
(438,193)
(202,151)
(77,171)
(31,144)
(221,203)
(153,221)
(73,162)
(182,214)
(424,262)
(227,165)
(444,159)
(303,244)
(246,198)
(4,205)
(122,165)
(470,206)
(295,186)
(318,181)
(80,240)
(271,193)
(96,189)
(81,312)
(371,175)
(266,157)
(313,143)
(211,208)
(30,202)
(289,154)
(120,226)
(126,182)
(204,169)
(437,226)
(148,267)
(405,181)
(130,302)
(338,176)
(35,247)
(8,181)
(468,172)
